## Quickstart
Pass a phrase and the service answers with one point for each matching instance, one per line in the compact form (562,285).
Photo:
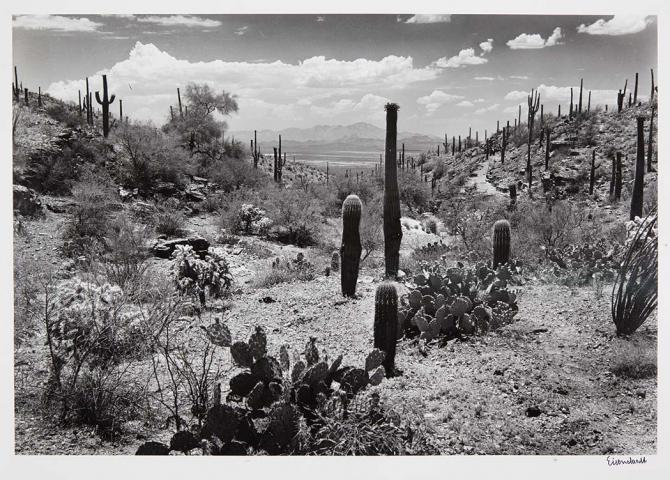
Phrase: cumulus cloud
(55,22)
(486,46)
(516,95)
(429,19)
(436,99)
(465,103)
(490,108)
(465,57)
(180,20)
(261,86)
(617,25)
(527,41)
(241,30)
(487,79)
(519,77)
(553,93)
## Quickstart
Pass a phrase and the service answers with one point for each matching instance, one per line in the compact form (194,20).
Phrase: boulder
(26,201)
(165,248)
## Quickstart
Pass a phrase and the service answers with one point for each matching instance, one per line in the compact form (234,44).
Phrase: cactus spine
(638,185)
(501,242)
(350,251)
(392,227)
(105,101)
(386,323)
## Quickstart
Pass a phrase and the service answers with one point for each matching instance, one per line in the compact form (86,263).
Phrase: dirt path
(480,180)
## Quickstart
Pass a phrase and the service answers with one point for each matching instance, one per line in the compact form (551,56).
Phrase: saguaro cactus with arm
(105,102)
(392,227)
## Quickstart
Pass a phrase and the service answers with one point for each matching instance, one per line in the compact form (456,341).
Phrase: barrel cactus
(350,251)
(386,323)
(501,242)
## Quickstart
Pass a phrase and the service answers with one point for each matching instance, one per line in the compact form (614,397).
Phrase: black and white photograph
(376,233)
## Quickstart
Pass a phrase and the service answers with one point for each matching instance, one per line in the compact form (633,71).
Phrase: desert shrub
(635,292)
(93,334)
(233,173)
(414,192)
(296,216)
(284,271)
(123,260)
(634,362)
(169,222)
(200,278)
(86,229)
(65,114)
(371,228)
(148,156)
(53,172)
(366,188)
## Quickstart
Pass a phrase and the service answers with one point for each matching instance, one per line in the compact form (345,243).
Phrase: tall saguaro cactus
(638,184)
(581,88)
(386,324)
(635,90)
(650,144)
(533,107)
(501,242)
(17,89)
(618,181)
(392,227)
(592,176)
(503,147)
(89,106)
(350,250)
(105,102)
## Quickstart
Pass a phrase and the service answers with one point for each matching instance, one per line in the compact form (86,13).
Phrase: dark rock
(164,249)
(166,188)
(26,201)
(533,411)
(153,448)
(267,300)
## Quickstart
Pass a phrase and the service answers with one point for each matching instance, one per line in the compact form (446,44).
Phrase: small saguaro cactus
(386,324)
(638,184)
(350,251)
(105,102)
(335,261)
(501,242)
(89,107)
(392,227)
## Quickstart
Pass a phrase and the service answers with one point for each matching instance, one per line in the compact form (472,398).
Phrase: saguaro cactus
(350,250)
(89,107)
(105,102)
(120,111)
(613,176)
(548,147)
(618,181)
(571,103)
(638,185)
(386,324)
(650,144)
(501,242)
(581,88)
(635,90)
(621,96)
(392,227)
(181,110)
(503,146)
(17,91)
(592,176)
(533,107)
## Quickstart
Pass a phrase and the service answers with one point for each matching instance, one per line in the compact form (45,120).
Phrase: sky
(447,72)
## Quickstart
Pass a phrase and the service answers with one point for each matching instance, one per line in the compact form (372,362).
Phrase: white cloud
(429,19)
(180,20)
(617,25)
(465,103)
(486,46)
(436,99)
(527,41)
(55,22)
(554,94)
(320,19)
(516,95)
(465,57)
(490,108)
(519,77)
(478,100)
(263,87)
(241,30)
(488,79)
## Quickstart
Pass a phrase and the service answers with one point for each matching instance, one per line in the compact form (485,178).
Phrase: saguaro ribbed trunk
(638,184)
(392,227)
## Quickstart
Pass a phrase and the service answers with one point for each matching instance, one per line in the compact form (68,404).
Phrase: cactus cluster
(271,396)
(458,301)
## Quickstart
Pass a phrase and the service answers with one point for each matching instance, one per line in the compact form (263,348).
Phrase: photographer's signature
(615,462)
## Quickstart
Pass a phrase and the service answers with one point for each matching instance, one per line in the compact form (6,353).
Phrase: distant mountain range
(357,136)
